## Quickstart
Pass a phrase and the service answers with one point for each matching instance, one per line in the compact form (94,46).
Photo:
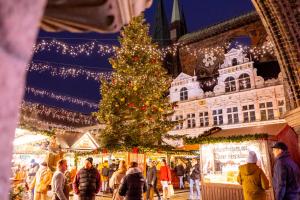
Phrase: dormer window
(230,84)
(183,94)
(234,62)
(244,81)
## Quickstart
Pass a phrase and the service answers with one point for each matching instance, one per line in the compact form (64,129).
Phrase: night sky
(199,14)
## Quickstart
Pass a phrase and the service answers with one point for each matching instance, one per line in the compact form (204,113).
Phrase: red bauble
(131,105)
(135,58)
(135,150)
(143,108)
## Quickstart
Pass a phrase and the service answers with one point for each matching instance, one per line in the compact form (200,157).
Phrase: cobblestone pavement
(179,195)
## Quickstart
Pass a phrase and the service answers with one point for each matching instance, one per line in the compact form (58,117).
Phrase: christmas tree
(135,106)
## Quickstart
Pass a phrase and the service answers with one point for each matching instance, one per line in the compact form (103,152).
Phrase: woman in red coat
(165,178)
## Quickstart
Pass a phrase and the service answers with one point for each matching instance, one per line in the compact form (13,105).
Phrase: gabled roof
(72,140)
(182,76)
(233,51)
(221,27)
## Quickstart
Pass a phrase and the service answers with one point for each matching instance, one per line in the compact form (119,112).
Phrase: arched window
(230,84)
(244,81)
(234,62)
(183,94)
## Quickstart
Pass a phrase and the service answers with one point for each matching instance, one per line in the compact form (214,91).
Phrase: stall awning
(270,129)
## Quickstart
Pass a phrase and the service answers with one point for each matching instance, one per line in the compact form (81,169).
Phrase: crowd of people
(129,183)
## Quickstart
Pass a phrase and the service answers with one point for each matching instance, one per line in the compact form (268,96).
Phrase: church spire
(175,12)
(161,33)
(178,23)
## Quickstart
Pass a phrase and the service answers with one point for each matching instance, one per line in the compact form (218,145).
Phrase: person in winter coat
(253,179)
(194,176)
(165,178)
(180,170)
(41,182)
(59,181)
(34,167)
(133,185)
(152,181)
(286,177)
(87,181)
(115,180)
(104,172)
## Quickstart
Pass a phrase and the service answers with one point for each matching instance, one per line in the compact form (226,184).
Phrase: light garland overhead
(93,47)
(64,98)
(65,71)
(45,125)
(57,113)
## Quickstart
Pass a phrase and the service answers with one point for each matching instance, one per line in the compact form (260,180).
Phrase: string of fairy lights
(59,97)
(57,113)
(96,47)
(68,71)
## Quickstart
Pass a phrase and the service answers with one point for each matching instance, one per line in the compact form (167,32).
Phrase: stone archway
(281,19)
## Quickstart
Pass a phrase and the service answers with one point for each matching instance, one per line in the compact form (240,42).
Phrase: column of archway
(282,22)
(19,21)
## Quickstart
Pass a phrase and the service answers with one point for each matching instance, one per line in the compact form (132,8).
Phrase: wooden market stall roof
(270,129)
(77,141)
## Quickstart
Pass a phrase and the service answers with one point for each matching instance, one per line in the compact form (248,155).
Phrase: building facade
(240,98)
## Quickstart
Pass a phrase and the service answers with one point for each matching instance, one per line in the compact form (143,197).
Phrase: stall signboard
(86,142)
(220,161)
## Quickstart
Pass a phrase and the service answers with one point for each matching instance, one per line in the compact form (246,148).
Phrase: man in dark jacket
(180,171)
(133,185)
(286,178)
(152,181)
(87,181)
(194,176)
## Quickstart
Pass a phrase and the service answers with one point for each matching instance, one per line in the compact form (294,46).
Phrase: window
(234,62)
(191,121)
(230,84)
(266,111)
(248,113)
(244,81)
(233,116)
(218,117)
(180,125)
(204,121)
(183,94)
(281,107)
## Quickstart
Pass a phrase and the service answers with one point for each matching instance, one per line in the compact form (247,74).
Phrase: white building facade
(241,98)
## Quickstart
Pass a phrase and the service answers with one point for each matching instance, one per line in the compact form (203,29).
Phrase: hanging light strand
(66,71)
(57,113)
(59,97)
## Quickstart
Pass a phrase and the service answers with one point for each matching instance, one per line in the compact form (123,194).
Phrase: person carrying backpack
(104,172)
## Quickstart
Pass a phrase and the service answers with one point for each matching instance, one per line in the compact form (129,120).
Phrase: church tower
(178,24)
(161,34)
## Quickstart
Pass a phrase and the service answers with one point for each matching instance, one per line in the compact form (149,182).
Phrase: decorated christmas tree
(135,106)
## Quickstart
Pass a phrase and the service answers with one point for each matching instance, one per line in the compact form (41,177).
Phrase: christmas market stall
(222,153)
(29,145)
(76,145)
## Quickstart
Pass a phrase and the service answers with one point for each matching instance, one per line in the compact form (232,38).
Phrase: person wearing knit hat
(90,159)
(286,176)
(253,179)
(252,158)
(87,181)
